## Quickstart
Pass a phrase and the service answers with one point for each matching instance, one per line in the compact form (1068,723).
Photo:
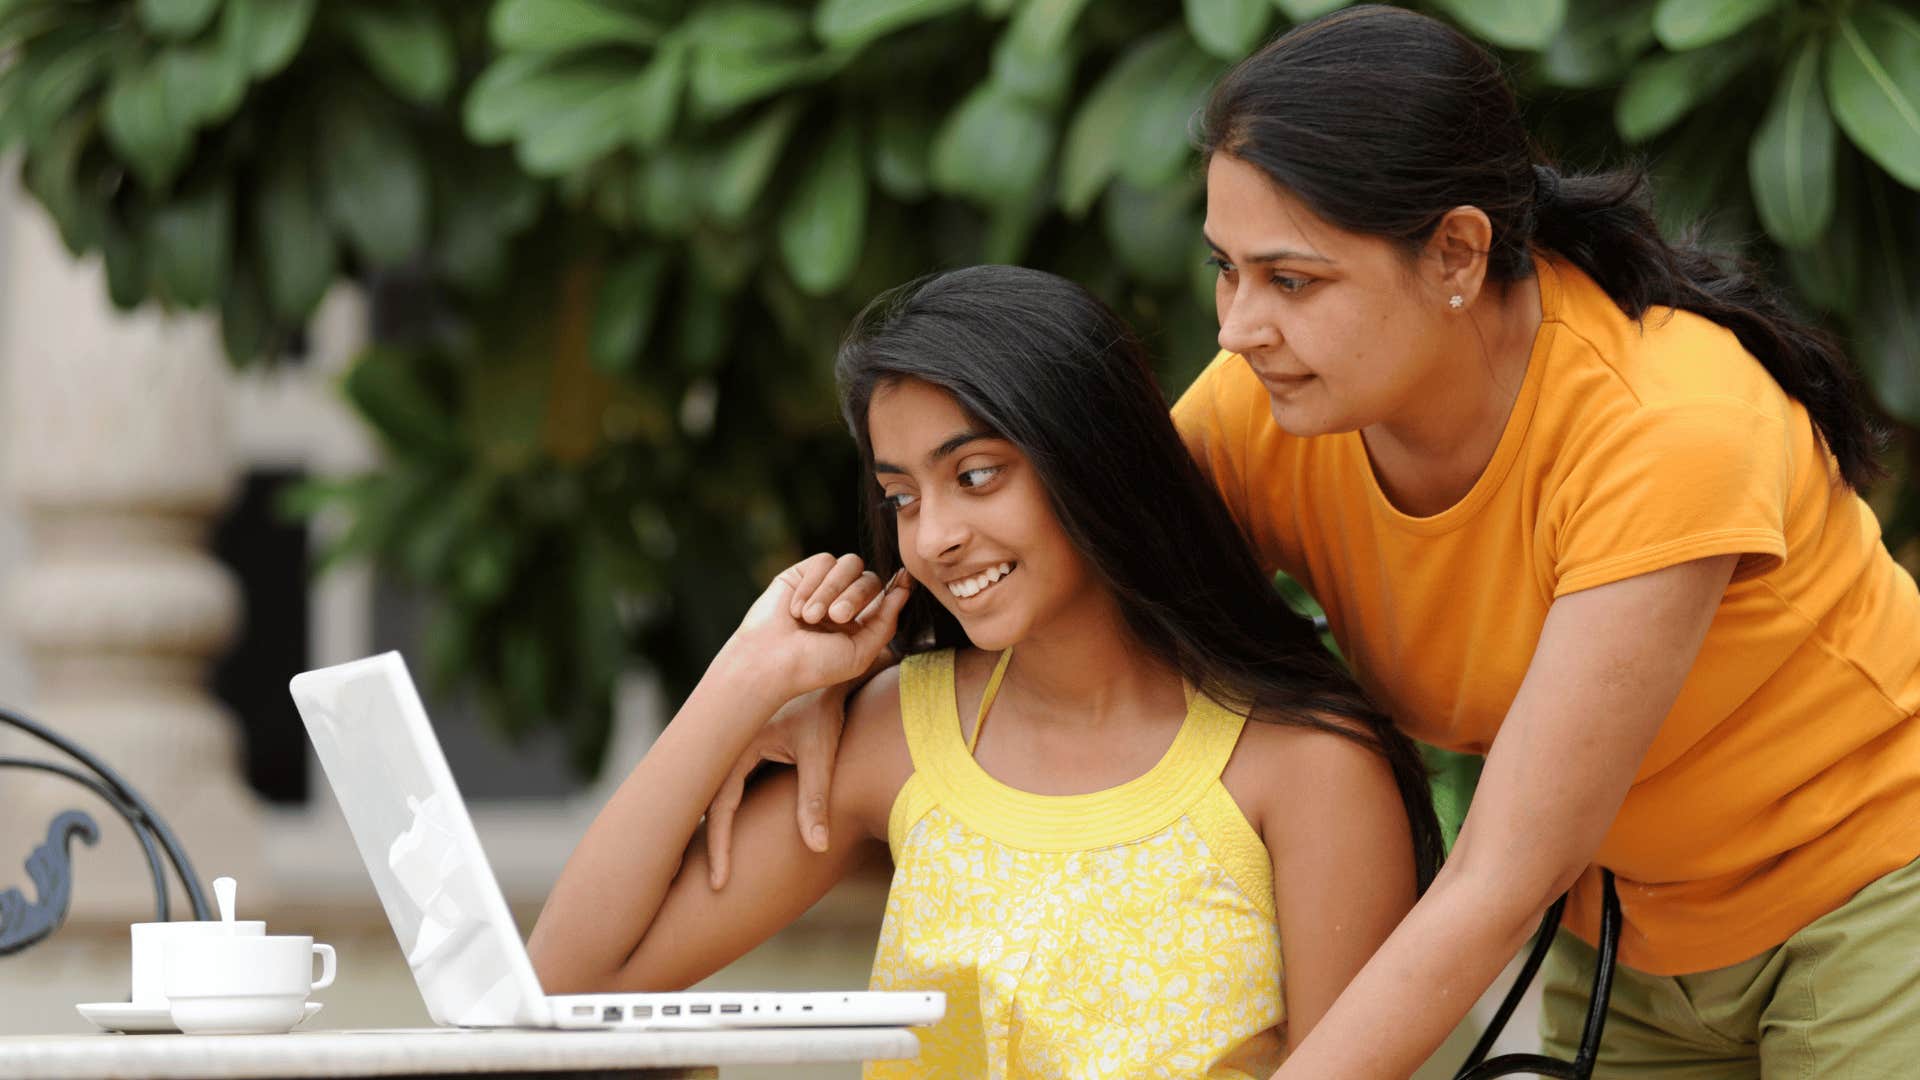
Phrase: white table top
(416,1051)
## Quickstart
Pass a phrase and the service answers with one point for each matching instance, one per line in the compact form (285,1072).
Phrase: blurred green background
(611,244)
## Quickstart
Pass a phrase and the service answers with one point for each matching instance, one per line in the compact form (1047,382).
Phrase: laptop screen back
(393,785)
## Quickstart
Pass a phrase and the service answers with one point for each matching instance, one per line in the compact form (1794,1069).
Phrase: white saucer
(131,1019)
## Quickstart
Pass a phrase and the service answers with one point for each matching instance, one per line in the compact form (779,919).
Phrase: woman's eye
(1291,284)
(897,502)
(1219,264)
(976,477)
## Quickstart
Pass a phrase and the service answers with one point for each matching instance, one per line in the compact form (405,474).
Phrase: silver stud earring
(1457,302)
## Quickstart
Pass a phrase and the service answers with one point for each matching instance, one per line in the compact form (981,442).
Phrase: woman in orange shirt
(1584,503)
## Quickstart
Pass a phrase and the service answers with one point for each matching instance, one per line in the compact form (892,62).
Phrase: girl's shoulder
(1286,776)
(873,754)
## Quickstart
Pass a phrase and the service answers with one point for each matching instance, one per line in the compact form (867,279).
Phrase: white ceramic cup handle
(327,966)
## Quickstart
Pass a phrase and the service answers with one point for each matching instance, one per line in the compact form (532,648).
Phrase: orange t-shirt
(1787,775)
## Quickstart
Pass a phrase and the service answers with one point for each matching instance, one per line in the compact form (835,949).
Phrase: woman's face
(973,521)
(1336,325)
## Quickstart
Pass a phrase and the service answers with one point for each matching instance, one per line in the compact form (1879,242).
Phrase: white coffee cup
(221,985)
(149,961)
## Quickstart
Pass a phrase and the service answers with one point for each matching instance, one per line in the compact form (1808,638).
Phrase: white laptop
(392,781)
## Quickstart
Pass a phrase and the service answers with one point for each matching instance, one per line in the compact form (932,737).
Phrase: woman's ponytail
(1603,223)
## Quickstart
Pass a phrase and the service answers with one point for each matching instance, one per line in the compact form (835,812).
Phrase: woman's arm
(633,908)
(1609,664)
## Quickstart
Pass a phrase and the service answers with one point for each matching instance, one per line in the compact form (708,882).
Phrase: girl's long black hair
(1381,120)
(1045,365)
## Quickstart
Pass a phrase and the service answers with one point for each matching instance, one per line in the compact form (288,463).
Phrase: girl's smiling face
(973,521)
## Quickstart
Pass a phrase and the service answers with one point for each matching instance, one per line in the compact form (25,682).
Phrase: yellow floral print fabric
(1123,933)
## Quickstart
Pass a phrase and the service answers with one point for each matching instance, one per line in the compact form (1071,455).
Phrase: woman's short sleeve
(1671,483)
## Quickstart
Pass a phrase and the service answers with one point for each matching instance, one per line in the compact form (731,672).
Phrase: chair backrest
(49,866)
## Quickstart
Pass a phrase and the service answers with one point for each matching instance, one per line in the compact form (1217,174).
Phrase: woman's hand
(805,733)
(814,643)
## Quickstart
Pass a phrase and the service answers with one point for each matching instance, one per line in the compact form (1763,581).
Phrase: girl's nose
(1245,328)
(939,529)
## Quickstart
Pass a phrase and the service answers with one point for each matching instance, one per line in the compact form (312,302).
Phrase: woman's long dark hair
(1381,120)
(1046,366)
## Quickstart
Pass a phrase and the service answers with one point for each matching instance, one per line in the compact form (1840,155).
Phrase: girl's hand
(805,733)
(822,621)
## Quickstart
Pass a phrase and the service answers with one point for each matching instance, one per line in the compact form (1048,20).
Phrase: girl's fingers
(877,629)
(720,822)
(858,596)
(845,571)
(813,570)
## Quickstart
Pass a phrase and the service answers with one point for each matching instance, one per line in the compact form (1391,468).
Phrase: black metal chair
(50,865)
(1581,1067)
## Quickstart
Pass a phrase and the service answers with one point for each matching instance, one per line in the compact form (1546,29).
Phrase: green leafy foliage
(615,242)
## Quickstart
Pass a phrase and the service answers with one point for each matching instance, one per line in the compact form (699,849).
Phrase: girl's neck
(1085,667)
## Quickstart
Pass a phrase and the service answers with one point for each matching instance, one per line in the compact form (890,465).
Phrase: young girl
(1097,858)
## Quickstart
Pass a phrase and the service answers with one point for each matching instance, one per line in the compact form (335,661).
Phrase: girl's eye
(1219,264)
(897,502)
(1291,284)
(976,477)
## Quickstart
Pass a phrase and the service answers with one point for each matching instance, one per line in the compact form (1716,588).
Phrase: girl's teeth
(973,586)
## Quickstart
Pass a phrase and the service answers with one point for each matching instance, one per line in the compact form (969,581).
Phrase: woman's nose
(1244,327)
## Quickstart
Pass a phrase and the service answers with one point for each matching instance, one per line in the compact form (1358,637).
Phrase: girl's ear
(1457,256)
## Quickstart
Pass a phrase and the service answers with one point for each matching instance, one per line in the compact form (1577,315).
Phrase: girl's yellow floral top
(1128,932)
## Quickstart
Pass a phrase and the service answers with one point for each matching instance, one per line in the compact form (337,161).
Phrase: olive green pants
(1839,1000)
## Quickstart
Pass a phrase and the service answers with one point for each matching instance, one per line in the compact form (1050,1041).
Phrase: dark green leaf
(1873,85)
(177,18)
(201,84)
(1511,24)
(1791,161)
(141,128)
(124,253)
(374,180)
(670,186)
(624,314)
(191,242)
(994,149)
(1887,328)
(52,174)
(1035,57)
(1228,29)
(266,33)
(849,24)
(903,152)
(656,96)
(1302,10)
(292,242)
(747,164)
(1098,137)
(580,135)
(1159,143)
(482,202)
(823,225)
(387,390)
(521,94)
(1827,274)
(48,82)
(408,47)
(746,26)
(704,329)
(1155,233)
(1689,24)
(1661,89)
(1596,45)
(246,329)
(562,25)
(724,79)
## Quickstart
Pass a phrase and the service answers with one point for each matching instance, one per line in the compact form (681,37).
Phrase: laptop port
(583,1010)
(611,1013)
(729,1008)
(699,1010)
(641,1012)
(669,1010)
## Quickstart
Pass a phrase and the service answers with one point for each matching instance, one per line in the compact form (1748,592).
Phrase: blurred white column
(116,457)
